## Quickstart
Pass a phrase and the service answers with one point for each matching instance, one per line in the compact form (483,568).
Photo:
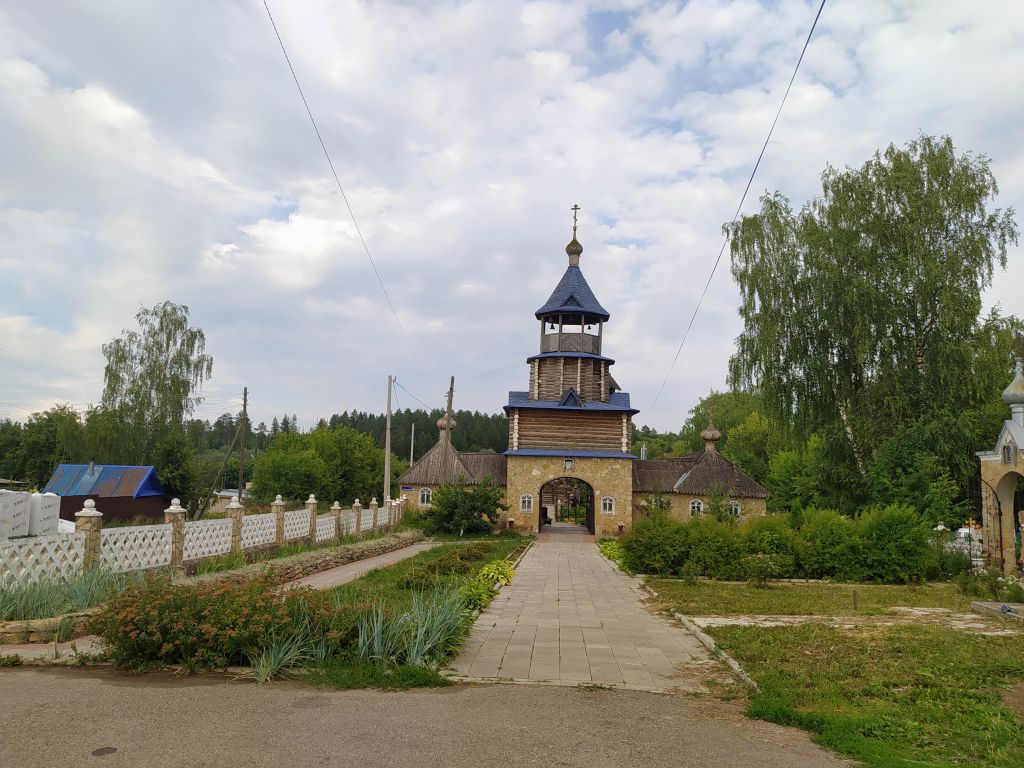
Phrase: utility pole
(244,427)
(412,443)
(387,446)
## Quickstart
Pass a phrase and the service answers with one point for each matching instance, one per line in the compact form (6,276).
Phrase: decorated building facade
(1001,472)
(570,452)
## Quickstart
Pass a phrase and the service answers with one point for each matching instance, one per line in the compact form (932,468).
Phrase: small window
(568,465)
(734,508)
(526,503)
(607,505)
(425,495)
(696,507)
(1008,456)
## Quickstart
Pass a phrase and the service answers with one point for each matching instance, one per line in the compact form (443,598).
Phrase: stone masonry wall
(608,477)
(681,505)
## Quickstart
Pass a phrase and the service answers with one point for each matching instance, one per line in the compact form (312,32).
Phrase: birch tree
(859,310)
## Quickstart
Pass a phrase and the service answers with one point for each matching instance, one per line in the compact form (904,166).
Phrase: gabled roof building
(570,435)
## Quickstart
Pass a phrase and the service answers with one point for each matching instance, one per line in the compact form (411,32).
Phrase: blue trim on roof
(576,453)
(618,402)
(572,296)
(585,355)
(104,480)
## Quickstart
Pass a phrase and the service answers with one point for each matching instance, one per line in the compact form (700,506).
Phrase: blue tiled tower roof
(572,296)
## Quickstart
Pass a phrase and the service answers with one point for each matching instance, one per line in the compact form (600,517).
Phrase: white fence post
(311,506)
(175,515)
(235,512)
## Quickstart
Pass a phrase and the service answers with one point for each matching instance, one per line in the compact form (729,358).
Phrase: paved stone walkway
(343,574)
(570,617)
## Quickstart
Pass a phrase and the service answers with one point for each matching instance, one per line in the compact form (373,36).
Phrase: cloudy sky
(153,151)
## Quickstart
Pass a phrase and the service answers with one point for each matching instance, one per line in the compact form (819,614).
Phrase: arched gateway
(573,428)
(1001,473)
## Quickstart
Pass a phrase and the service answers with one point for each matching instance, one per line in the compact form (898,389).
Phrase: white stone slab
(14,513)
(43,514)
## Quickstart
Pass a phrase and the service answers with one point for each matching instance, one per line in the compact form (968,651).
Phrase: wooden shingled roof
(443,464)
(695,474)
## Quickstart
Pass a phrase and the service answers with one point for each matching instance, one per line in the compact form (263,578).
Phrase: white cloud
(151,154)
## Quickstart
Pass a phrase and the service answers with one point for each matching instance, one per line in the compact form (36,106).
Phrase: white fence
(24,561)
(206,538)
(258,530)
(296,523)
(61,555)
(135,548)
(326,527)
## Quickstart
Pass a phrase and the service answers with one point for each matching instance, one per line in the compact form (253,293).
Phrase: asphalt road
(97,717)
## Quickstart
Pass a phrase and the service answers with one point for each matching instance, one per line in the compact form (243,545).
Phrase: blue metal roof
(617,401)
(104,480)
(586,355)
(579,453)
(572,296)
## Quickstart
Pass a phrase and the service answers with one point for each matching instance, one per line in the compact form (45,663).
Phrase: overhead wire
(344,196)
(739,207)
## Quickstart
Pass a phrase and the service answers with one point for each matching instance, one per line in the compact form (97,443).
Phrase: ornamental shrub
(896,545)
(772,536)
(206,626)
(829,548)
(477,593)
(656,544)
(497,572)
(716,548)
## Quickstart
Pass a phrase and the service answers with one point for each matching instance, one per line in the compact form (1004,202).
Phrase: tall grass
(54,597)
(425,634)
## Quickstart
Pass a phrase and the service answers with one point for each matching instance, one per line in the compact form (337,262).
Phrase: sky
(153,152)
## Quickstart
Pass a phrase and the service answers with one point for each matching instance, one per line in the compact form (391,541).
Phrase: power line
(40,361)
(736,215)
(341,189)
(410,394)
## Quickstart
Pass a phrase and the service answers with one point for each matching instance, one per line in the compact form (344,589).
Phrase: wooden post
(277,507)
(311,506)
(235,512)
(89,521)
(357,508)
(175,515)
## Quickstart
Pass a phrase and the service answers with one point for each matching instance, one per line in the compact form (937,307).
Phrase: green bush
(897,547)
(205,626)
(498,572)
(716,548)
(829,550)
(656,544)
(772,535)
(477,593)
(458,509)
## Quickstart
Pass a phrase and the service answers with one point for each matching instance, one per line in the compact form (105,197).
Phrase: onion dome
(710,436)
(1014,394)
(574,250)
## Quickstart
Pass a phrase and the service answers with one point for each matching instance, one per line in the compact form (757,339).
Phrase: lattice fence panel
(206,538)
(348,522)
(296,523)
(382,516)
(326,526)
(259,529)
(367,520)
(24,561)
(135,548)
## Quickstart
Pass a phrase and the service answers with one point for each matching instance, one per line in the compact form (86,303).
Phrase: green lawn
(903,695)
(712,598)
(387,584)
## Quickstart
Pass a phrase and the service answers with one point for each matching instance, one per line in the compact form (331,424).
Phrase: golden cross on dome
(575,209)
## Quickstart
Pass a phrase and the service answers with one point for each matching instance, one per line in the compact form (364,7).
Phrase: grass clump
(888,695)
(54,596)
(612,550)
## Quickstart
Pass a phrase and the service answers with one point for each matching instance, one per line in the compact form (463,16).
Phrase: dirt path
(343,574)
(96,717)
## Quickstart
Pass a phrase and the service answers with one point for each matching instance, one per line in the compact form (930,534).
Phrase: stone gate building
(570,444)
(1001,473)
